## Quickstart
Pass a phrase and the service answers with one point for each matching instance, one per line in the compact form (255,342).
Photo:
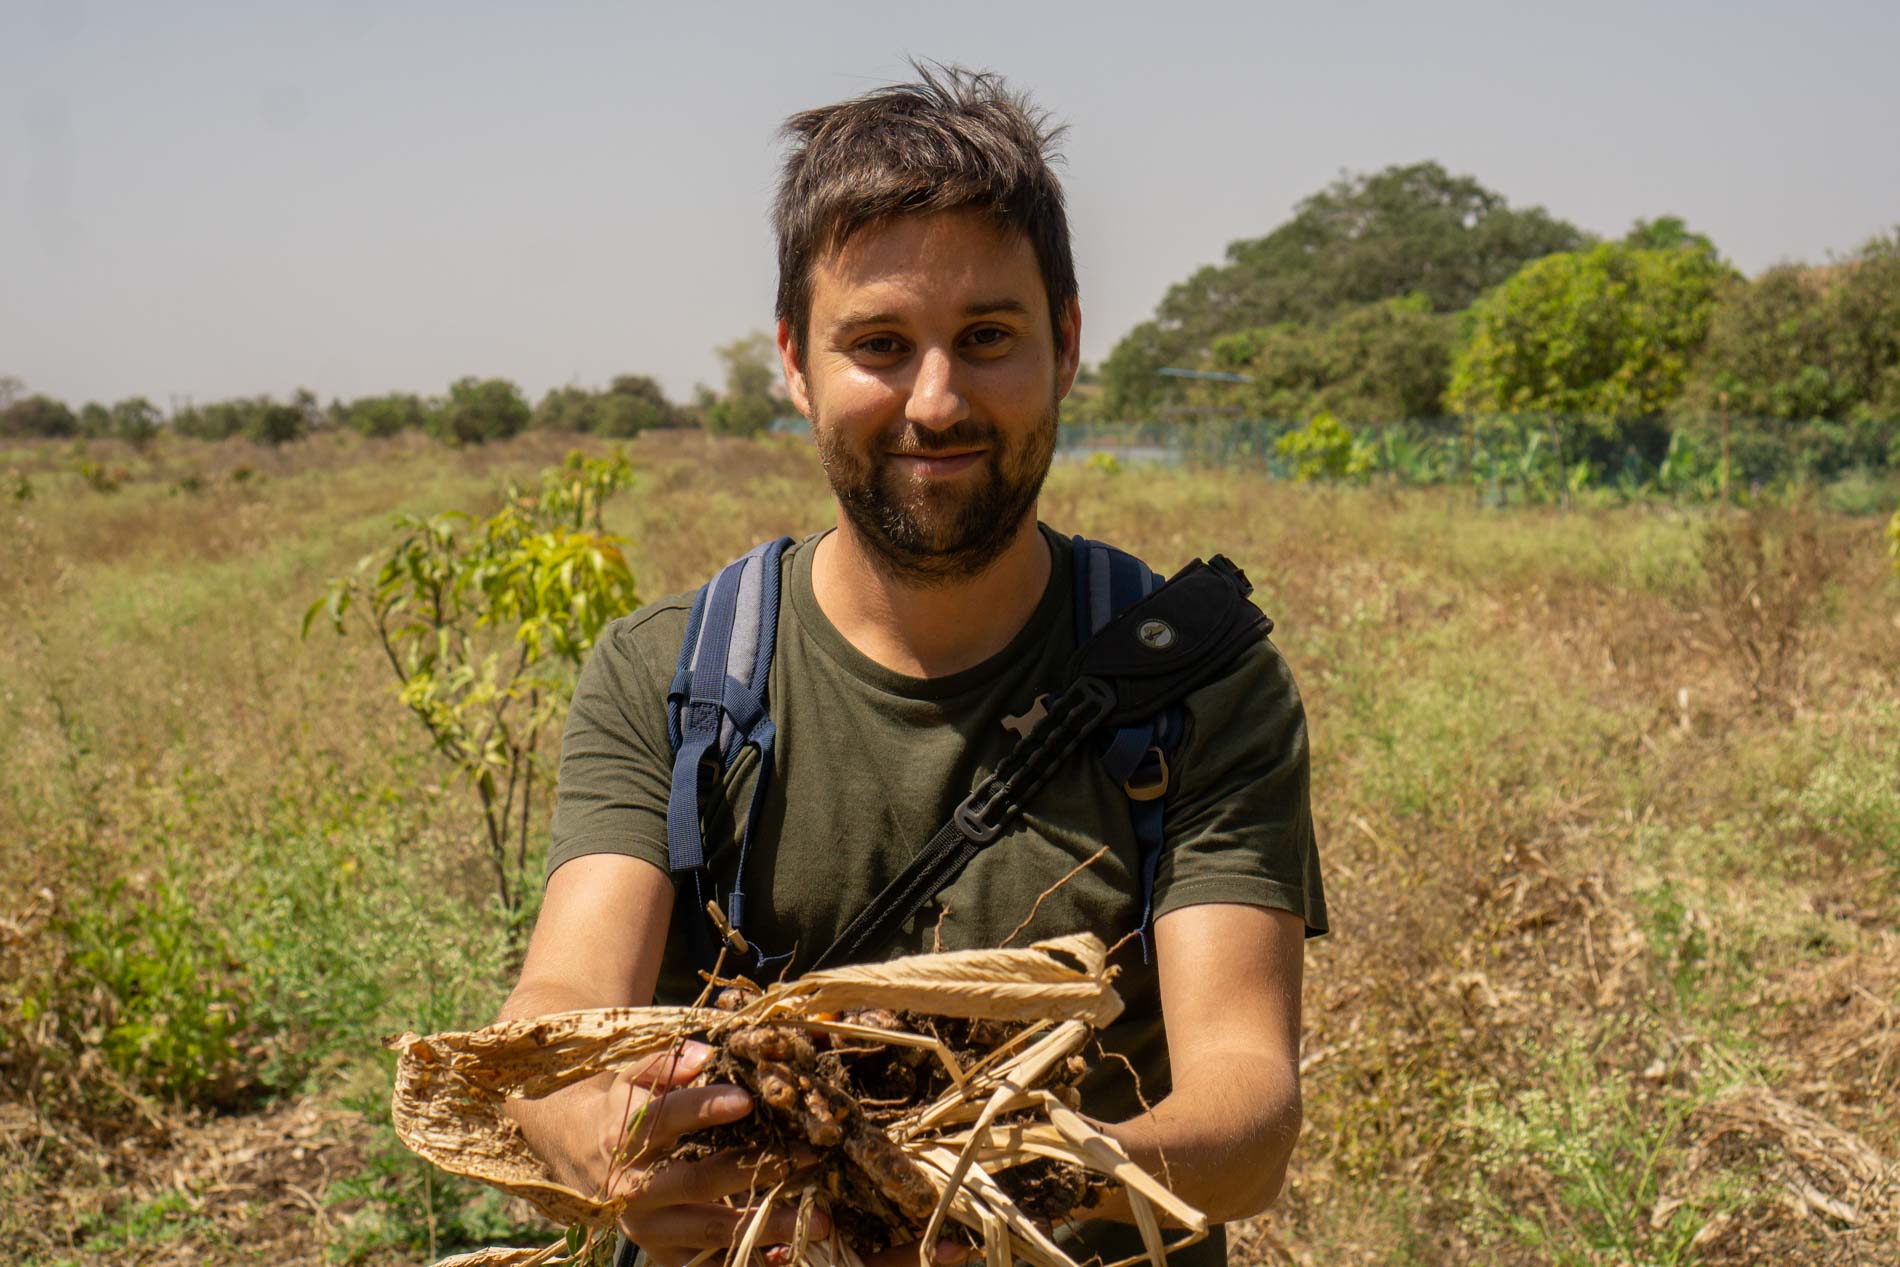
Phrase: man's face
(931,378)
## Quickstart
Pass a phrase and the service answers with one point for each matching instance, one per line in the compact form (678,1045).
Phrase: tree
(1865,328)
(485,625)
(631,404)
(567,408)
(1597,335)
(479,410)
(219,420)
(273,422)
(634,403)
(135,420)
(1668,233)
(748,407)
(1380,362)
(1770,352)
(94,420)
(1410,229)
(1807,363)
(386,415)
(38,416)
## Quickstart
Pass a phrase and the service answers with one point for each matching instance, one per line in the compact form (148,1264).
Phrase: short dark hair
(955,140)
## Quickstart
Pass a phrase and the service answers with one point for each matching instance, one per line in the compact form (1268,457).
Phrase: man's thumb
(672,1067)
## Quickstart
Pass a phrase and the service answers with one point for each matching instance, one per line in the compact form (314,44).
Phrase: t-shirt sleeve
(1239,825)
(616,767)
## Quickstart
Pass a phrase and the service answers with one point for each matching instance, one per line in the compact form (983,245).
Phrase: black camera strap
(1181,637)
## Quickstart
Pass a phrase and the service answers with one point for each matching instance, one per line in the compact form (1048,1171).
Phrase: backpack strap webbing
(1136,756)
(716,707)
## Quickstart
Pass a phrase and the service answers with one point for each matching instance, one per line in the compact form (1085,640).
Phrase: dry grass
(1613,893)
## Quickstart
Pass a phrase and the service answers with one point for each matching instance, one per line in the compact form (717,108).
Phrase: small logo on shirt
(1156,635)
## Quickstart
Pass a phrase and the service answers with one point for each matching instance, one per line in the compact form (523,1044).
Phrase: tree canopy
(631,404)
(1810,357)
(1606,333)
(1409,229)
(479,409)
(38,415)
(1379,362)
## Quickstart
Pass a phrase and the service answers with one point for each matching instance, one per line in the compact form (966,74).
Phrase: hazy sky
(213,199)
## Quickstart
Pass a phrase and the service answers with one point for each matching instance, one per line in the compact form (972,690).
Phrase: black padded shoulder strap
(1176,640)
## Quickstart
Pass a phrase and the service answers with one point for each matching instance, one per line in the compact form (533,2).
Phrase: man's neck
(935,629)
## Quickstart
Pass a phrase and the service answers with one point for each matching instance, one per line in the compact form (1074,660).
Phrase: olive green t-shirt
(870,762)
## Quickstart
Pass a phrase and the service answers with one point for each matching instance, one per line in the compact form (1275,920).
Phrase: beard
(928,534)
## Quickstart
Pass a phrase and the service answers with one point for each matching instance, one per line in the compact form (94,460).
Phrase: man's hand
(675,1209)
(598,944)
(628,1126)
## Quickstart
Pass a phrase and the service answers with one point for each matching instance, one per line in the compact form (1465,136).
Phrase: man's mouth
(938,463)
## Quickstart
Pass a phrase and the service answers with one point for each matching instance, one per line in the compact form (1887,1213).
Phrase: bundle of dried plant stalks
(937,1091)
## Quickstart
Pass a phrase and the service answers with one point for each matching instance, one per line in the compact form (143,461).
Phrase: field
(1608,800)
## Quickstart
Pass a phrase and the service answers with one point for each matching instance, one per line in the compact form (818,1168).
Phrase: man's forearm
(1220,1145)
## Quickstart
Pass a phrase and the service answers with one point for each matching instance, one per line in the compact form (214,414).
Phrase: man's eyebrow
(979,308)
(853,320)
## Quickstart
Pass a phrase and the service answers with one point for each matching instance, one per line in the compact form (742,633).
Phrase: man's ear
(788,359)
(1068,346)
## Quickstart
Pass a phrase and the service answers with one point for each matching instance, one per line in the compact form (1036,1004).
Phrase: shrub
(1325,449)
(1768,573)
(161,996)
(101,478)
(484,624)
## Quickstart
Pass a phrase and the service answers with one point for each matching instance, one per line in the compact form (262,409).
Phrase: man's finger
(656,1124)
(670,1067)
(670,1255)
(707,1226)
(720,1175)
(948,1254)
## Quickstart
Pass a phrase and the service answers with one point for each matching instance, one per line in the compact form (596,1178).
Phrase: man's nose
(936,394)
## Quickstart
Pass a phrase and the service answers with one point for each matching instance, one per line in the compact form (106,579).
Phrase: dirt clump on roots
(837,1094)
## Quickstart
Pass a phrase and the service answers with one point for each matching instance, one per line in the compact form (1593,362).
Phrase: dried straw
(451,1090)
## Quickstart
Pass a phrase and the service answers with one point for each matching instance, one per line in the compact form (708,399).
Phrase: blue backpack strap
(716,706)
(1107,582)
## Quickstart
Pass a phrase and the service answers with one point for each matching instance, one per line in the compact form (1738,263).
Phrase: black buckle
(987,810)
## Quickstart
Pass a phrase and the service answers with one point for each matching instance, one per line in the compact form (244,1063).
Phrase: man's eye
(880,345)
(988,337)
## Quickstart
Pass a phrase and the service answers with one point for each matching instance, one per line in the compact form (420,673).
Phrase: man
(928,326)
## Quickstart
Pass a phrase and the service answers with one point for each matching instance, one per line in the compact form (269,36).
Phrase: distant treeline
(474,410)
(1414,294)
